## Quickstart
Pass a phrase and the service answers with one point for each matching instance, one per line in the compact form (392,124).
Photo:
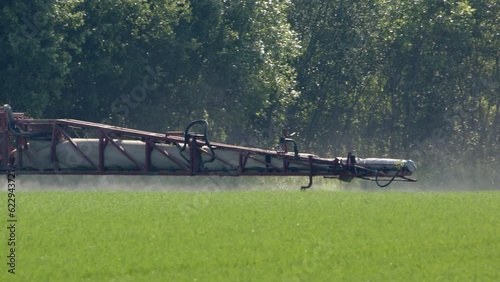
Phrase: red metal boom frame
(67,129)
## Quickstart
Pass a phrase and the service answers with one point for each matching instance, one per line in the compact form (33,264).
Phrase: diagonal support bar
(75,146)
(166,154)
(127,155)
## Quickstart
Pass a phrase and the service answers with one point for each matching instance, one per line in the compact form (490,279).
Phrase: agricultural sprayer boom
(67,146)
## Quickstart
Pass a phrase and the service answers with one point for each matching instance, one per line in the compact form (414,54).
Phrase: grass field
(255,236)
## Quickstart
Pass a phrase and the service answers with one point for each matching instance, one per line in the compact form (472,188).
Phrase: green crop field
(254,236)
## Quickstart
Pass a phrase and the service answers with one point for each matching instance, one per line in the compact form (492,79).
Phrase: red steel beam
(166,154)
(127,155)
(75,146)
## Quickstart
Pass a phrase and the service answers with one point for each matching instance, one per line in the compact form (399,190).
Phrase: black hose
(390,181)
(187,136)
(205,134)
(191,124)
(16,129)
(295,147)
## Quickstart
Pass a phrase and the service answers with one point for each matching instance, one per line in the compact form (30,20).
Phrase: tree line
(412,79)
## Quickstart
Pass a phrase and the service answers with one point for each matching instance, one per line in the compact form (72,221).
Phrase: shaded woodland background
(382,78)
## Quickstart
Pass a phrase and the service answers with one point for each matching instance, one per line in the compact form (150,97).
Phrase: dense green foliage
(257,236)
(413,79)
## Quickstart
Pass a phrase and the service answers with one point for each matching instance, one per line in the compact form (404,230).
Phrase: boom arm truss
(68,146)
